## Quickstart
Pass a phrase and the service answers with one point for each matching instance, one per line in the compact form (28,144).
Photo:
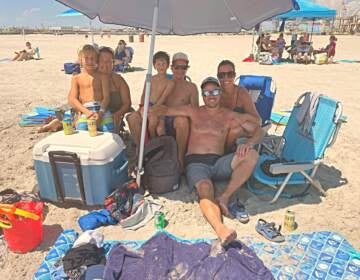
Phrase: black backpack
(161,165)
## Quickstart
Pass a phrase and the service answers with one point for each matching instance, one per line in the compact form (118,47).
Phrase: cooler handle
(119,167)
(67,157)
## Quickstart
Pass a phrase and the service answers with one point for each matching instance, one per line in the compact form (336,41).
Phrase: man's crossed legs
(238,167)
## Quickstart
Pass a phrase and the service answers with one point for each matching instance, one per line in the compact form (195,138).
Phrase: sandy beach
(24,85)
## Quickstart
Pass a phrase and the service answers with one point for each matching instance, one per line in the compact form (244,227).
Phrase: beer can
(159,219)
(289,221)
(68,126)
(92,127)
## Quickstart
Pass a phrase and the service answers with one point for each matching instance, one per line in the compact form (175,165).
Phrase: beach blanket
(314,255)
(38,115)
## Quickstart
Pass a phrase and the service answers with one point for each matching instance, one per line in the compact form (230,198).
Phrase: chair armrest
(289,167)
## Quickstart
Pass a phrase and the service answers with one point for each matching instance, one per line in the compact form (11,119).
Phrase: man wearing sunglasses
(234,98)
(205,160)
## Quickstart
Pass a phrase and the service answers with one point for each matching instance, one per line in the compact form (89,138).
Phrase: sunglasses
(214,92)
(222,75)
(181,67)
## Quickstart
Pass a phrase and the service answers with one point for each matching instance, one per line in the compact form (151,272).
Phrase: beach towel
(307,111)
(309,255)
(162,257)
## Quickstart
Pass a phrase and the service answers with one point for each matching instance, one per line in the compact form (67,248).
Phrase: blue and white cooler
(80,168)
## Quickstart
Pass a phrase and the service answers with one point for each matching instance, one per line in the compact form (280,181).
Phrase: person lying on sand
(205,158)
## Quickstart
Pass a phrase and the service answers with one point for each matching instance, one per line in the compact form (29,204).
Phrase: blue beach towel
(313,255)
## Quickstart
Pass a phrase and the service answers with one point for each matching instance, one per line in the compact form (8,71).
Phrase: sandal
(237,211)
(269,231)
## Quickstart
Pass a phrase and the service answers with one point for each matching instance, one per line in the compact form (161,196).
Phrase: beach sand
(25,85)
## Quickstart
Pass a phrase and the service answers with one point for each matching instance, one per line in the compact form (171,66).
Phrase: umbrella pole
(312,29)
(91,32)
(140,170)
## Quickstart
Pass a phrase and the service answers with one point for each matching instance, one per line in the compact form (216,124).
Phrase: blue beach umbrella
(181,17)
(75,13)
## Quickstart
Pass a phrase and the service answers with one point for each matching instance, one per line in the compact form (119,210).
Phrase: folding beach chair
(262,90)
(302,152)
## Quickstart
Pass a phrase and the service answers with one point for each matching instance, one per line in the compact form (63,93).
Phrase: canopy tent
(75,13)
(179,17)
(309,9)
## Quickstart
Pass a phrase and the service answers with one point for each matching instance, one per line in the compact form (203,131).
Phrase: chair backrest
(131,51)
(300,147)
(262,90)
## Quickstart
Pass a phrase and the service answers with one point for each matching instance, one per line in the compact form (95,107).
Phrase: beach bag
(321,58)
(265,58)
(71,68)
(161,165)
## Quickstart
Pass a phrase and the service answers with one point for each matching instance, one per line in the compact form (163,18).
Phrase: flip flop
(269,231)
(237,211)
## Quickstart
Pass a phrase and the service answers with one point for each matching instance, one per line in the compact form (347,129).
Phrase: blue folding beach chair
(262,90)
(303,148)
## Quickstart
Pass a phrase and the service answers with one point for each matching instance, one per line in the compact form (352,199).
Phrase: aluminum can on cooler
(289,221)
(159,219)
(68,126)
(92,127)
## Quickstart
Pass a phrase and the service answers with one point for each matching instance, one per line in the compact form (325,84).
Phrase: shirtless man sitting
(183,93)
(89,93)
(205,158)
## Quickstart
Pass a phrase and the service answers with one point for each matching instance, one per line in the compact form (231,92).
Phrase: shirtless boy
(89,93)
(161,88)
(183,93)
(205,160)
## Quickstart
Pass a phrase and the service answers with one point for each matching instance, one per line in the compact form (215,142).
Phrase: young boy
(280,44)
(89,93)
(161,88)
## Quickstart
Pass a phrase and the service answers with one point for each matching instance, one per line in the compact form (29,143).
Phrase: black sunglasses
(181,67)
(214,92)
(230,74)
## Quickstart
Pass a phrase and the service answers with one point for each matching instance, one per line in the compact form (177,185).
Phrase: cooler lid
(100,149)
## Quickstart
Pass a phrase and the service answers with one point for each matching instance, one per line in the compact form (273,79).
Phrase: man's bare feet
(53,126)
(226,235)
(223,206)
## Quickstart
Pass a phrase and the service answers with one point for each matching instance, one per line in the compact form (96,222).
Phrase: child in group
(161,88)
(280,44)
(89,94)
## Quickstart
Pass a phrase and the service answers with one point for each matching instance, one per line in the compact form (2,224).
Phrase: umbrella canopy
(185,16)
(180,17)
(70,13)
(309,9)
(75,13)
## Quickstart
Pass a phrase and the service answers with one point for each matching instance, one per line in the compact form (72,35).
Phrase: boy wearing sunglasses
(205,160)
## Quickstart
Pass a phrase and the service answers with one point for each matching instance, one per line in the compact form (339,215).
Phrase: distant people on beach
(25,54)
(280,44)
(123,56)
(89,94)
(206,161)
(120,101)
(329,49)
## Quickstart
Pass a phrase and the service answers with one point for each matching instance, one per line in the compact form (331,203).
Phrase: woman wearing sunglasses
(234,98)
